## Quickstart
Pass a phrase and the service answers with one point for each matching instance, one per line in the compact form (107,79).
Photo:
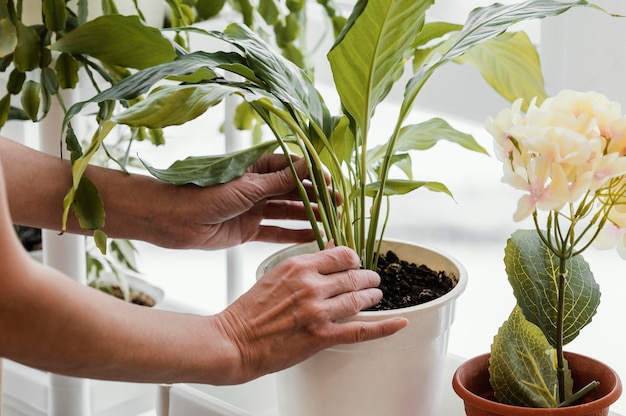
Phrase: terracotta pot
(401,375)
(471,383)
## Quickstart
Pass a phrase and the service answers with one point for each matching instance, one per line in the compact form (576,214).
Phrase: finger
(350,281)
(281,235)
(351,303)
(335,260)
(286,210)
(358,331)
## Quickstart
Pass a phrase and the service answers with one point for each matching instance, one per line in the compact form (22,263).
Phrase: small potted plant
(367,59)
(567,155)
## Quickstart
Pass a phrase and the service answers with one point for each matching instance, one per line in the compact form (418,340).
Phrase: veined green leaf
(140,82)
(136,45)
(283,78)
(369,55)
(482,24)
(533,272)
(173,105)
(211,170)
(510,64)
(523,365)
(425,135)
(402,186)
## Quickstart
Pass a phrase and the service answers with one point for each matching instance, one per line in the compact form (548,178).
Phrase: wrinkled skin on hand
(293,312)
(229,214)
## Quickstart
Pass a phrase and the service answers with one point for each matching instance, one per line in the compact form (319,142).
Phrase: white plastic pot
(399,375)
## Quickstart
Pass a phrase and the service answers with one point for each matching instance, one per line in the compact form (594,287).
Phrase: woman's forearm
(37,183)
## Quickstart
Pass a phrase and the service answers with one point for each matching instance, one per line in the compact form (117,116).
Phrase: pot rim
(454,293)
(491,406)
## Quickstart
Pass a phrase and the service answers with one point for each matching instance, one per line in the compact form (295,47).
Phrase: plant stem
(580,394)
(560,370)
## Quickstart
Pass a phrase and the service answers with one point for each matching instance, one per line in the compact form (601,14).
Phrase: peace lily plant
(367,59)
(568,156)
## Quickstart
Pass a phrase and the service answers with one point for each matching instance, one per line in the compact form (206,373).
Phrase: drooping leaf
(425,135)
(173,105)
(67,68)
(8,36)
(31,98)
(211,170)
(100,238)
(523,365)
(401,187)
(510,64)
(54,14)
(136,45)
(533,272)
(140,82)
(209,8)
(88,205)
(283,78)
(5,105)
(79,166)
(368,57)
(27,51)
(485,23)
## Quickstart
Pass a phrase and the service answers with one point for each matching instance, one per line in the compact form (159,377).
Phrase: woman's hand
(233,213)
(296,308)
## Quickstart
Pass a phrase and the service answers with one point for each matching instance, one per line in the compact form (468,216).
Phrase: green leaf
(173,105)
(211,170)
(209,8)
(522,366)
(54,14)
(31,98)
(100,238)
(129,42)
(268,9)
(281,77)
(510,64)
(8,37)
(5,105)
(401,187)
(88,206)
(533,272)
(140,82)
(482,24)
(67,68)
(26,54)
(368,56)
(425,135)
(79,166)
(49,81)
(425,43)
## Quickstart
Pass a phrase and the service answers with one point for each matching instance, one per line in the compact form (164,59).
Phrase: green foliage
(367,59)
(533,271)
(523,365)
(136,45)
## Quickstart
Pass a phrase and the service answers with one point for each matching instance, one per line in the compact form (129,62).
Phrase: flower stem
(560,370)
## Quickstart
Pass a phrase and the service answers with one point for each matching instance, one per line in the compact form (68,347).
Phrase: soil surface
(406,284)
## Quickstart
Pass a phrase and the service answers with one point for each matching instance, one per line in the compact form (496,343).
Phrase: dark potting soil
(406,284)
